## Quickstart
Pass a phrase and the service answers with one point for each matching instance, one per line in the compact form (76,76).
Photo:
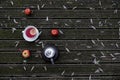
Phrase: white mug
(31,33)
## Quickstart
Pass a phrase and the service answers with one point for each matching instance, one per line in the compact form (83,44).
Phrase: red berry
(54,32)
(27,11)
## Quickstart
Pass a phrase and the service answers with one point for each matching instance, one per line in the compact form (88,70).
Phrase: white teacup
(30,33)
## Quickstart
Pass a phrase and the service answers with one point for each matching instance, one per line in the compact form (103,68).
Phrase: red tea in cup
(31,32)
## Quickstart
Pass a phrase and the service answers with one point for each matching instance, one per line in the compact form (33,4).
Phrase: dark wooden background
(89,43)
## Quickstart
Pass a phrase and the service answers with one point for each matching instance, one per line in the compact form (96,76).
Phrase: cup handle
(22,31)
(52,61)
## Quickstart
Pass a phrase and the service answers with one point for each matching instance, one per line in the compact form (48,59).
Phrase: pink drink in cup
(31,32)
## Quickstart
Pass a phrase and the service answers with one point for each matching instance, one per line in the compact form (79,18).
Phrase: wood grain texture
(56,70)
(61,14)
(60,23)
(73,57)
(88,43)
(68,34)
(67,3)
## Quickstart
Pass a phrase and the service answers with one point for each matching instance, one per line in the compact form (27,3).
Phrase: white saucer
(30,39)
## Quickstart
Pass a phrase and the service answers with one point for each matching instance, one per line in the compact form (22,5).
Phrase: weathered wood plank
(63,44)
(63,78)
(91,33)
(57,69)
(62,14)
(67,3)
(83,57)
(61,23)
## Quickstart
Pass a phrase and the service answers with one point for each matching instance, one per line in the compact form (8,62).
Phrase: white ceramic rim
(27,38)
(51,54)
